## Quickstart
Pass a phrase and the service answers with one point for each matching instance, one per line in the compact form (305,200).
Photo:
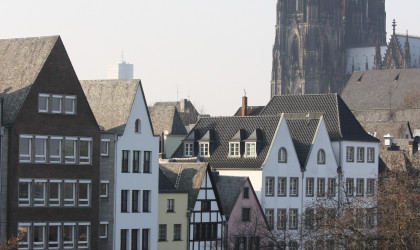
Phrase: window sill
(170,212)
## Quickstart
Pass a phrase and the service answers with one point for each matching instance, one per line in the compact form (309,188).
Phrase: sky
(208,51)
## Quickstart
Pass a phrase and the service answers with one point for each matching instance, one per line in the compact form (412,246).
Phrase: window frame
(70,159)
(125,159)
(245,193)
(370,155)
(137,126)
(188,149)
(145,239)
(251,149)
(204,149)
(54,244)
(282,155)
(29,149)
(294,185)
(147,162)
(349,154)
(370,186)
(47,96)
(105,145)
(84,202)
(60,104)
(54,202)
(123,239)
(320,184)
(310,187)
(360,154)
(55,158)
(85,160)
(350,187)
(234,149)
(360,187)
(39,244)
(73,199)
(83,243)
(135,201)
(177,232)
(269,186)
(43,200)
(281,218)
(69,244)
(269,215)
(104,225)
(146,201)
(136,161)
(293,218)
(106,184)
(170,205)
(25,202)
(21,243)
(332,188)
(246,214)
(282,186)
(73,99)
(124,200)
(135,239)
(321,157)
(43,155)
(162,236)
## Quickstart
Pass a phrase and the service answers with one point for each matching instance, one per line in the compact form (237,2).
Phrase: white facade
(121,70)
(136,185)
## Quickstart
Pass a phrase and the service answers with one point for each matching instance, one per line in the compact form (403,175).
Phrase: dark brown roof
(166,118)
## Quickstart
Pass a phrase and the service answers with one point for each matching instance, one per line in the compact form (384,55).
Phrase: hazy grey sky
(210,49)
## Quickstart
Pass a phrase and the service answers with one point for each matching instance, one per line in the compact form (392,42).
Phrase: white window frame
(70,159)
(105,224)
(332,188)
(350,154)
(53,158)
(360,187)
(72,200)
(47,96)
(170,205)
(44,155)
(29,155)
(350,189)
(73,104)
(269,214)
(69,244)
(25,202)
(25,244)
(282,186)
(321,157)
(40,202)
(188,149)
(106,183)
(234,149)
(370,155)
(370,189)
(83,244)
(293,218)
(105,144)
(204,149)
(282,157)
(82,159)
(54,202)
(40,244)
(269,186)
(84,202)
(320,187)
(310,186)
(294,186)
(281,218)
(360,154)
(251,149)
(52,243)
(60,106)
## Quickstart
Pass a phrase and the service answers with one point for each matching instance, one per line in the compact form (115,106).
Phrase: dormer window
(234,149)
(321,157)
(251,149)
(137,126)
(188,149)
(204,149)
(282,155)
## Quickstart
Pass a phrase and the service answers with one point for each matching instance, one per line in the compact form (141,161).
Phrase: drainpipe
(189,229)
(301,211)
(340,175)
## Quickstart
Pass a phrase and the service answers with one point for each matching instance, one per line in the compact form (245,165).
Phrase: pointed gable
(394,56)
(166,118)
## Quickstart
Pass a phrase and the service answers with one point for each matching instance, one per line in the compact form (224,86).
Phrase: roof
(381,128)
(166,118)
(340,121)
(21,60)
(414,43)
(229,188)
(356,58)
(224,130)
(111,101)
(190,177)
(186,110)
(250,111)
(371,89)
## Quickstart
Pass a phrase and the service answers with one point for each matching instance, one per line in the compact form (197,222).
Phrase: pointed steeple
(377,62)
(407,54)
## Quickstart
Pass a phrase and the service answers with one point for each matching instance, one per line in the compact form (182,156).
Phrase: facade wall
(3,183)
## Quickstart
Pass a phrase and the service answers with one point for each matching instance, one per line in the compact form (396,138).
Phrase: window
(269,186)
(25,142)
(205,206)
(123,243)
(309,218)
(69,190)
(245,193)
(360,187)
(54,235)
(293,218)
(251,149)
(350,154)
(162,232)
(170,205)
(294,186)
(105,147)
(70,105)
(39,192)
(282,155)
(370,190)
(124,163)
(54,193)
(24,234)
(104,187)
(321,157)
(55,149)
(84,193)
(124,201)
(145,239)
(134,239)
(136,161)
(135,201)
(370,155)
(282,186)
(25,192)
(68,235)
(188,149)
(103,229)
(70,150)
(204,149)
(234,149)
(146,162)
(281,219)
(39,236)
(137,126)
(360,154)
(269,215)
(349,187)
(56,104)
(331,187)
(43,100)
(294,245)
(177,231)
(41,148)
(84,150)
(246,214)
(146,200)
(321,187)
(310,187)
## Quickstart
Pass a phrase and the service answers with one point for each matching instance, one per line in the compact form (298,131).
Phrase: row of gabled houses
(80,165)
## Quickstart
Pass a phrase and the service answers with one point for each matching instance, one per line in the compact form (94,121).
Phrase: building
(120,71)
(120,108)
(50,149)
(189,115)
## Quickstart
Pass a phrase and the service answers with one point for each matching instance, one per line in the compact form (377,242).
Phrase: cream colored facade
(168,218)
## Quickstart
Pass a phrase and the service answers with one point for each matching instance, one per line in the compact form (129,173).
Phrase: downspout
(301,210)
(340,175)
(115,189)
(189,229)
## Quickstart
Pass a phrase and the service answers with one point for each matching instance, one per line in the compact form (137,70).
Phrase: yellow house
(173,220)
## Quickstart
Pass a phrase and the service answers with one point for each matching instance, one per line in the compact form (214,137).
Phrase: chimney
(244,106)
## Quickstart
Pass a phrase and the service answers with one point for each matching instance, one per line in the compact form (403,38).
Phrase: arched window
(321,156)
(137,126)
(282,155)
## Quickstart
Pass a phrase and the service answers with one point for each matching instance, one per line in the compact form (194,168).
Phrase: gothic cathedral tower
(311,40)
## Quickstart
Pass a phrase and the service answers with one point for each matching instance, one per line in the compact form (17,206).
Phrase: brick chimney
(244,106)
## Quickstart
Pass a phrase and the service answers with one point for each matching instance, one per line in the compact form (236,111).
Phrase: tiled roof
(165,186)
(190,178)
(21,60)
(395,128)
(166,118)
(111,101)
(380,89)
(224,129)
(186,109)
(251,110)
(229,189)
(341,123)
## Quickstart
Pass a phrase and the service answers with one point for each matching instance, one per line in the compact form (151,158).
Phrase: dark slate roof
(191,177)
(341,123)
(251,111)
(229,189)
(165,186)
(395,128)
(303,133)
(371,89)
(111,101)
(166,118)
(224,129)
(21,60)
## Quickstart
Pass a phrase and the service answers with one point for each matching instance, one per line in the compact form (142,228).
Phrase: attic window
(137,126)
(234,149)
(251,149)
(204,149)
(188,149)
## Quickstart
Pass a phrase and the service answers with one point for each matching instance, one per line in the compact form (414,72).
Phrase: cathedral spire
(378,56)
(394,24)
